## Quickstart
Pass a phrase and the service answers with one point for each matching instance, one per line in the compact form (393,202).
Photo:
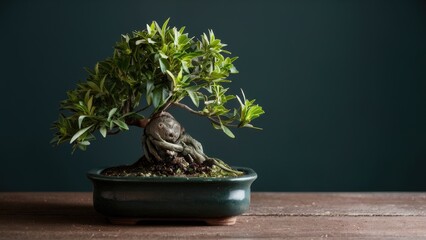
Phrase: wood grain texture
(272,216)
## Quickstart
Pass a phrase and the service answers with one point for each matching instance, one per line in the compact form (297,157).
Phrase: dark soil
(145,168)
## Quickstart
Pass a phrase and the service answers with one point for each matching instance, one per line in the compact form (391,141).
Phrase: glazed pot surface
(171,197)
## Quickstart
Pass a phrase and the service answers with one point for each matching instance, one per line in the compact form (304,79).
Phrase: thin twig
(167,105)
(142,109)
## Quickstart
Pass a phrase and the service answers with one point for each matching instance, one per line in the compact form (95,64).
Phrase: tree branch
(138,122)
(216,121)
(184,106)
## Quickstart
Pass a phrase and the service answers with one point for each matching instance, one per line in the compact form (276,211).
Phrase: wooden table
(69,215)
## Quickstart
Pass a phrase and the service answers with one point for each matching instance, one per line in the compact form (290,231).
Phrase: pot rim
(249,174)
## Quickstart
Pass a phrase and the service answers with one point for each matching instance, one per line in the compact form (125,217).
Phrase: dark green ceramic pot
(171,197)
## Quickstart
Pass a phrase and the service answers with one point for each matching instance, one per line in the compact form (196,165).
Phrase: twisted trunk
(165,140)
(170,151)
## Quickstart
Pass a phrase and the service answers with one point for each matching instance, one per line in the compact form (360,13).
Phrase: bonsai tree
(149,72)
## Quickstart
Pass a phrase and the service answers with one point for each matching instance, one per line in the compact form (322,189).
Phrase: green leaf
(102,84)
(93,86)
(81,147)
(233,69)
(80,120)
(138,42)
(79,133)
(215,126)
(239,100)
(163,55)
(97,68)
(149,86)
(111,113)
(166,95)
(185,66)
(103,131)
(85,143)
(90,103)
(227,131)
(149,98)
(86,96)
(248,125)
(164,65)
(176,36)
(179,77)
(172,77)
(126,37)
(157,96)
(121,124)
(148,29)
(194,97)
(164,27)
(159,30)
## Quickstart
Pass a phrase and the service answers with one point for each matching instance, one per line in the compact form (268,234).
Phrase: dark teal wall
(343,84)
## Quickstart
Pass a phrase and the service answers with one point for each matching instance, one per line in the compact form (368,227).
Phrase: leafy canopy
(158,66)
